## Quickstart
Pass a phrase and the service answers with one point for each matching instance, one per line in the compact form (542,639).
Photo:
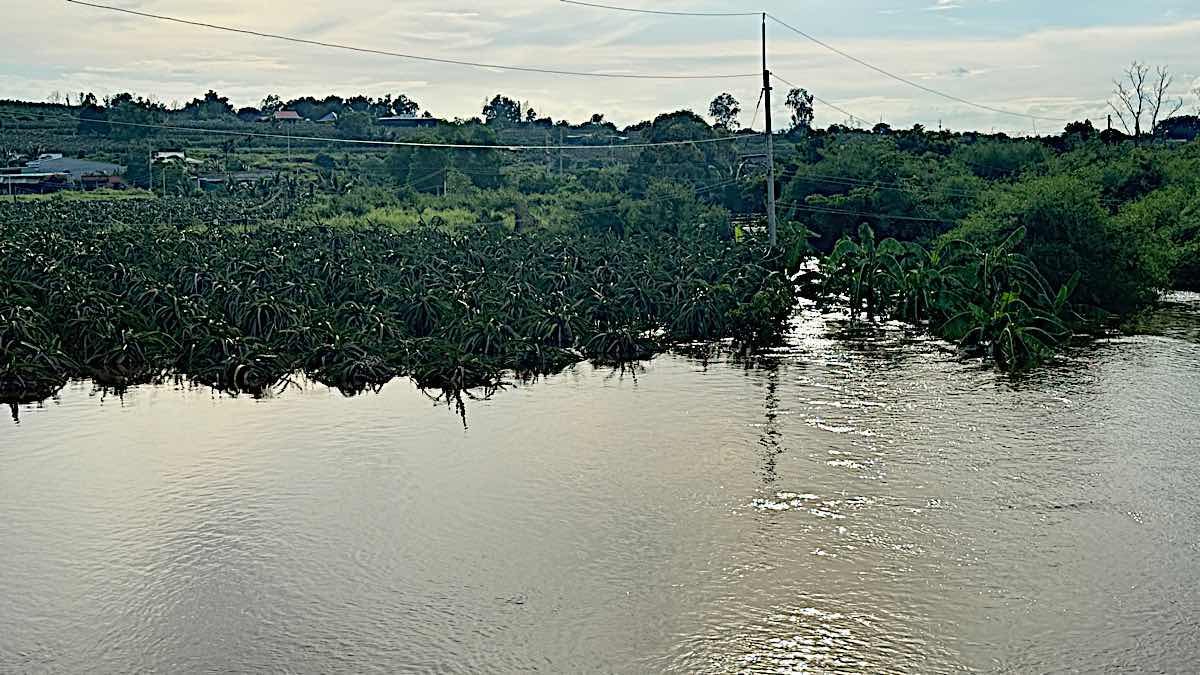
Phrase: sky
(1049,58)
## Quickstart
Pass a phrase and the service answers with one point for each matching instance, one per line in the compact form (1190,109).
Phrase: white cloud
(1062,72)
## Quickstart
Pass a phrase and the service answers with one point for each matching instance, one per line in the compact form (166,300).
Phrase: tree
(92,119)
(325,162)
(381,107)
(502,109)
(354,124)
(1182,128)
(403,105)
(210,107)
(137,165)
(132,112)
(1082,130)
(359,103)
(1139,94)
(531,115)
(271,105)
(1070,231)
(724,110)
(801,104)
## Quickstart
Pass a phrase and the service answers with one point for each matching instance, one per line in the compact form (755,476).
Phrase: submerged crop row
(354,308)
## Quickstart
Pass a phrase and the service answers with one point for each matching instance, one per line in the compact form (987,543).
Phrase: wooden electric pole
(772,232)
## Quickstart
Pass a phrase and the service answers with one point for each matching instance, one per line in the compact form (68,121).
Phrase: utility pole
(561,142)
(772,232)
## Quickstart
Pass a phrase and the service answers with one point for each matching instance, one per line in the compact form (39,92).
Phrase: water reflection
(858,501)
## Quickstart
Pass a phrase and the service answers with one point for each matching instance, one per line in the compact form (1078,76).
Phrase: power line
(380,52)
(757,108)
(407,144)
(826,45)
(845,112)
(849,181)
(696,192)
(657,11)
(907,81)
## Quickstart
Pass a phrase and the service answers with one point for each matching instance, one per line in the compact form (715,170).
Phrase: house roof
(74,167)
(288,115)
(331,117)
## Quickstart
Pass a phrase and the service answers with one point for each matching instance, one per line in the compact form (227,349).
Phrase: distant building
(106,182)
(328,119)
(75,169)
(219,180)
(287,116)
(33,183)
(173,156)
(408,121)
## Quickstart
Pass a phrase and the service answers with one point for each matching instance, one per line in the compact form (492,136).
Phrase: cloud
(944,5)
(1059,72)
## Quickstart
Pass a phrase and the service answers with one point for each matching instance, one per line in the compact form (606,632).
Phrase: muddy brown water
(861,501)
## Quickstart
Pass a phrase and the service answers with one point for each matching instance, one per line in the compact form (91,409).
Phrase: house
(408,121)
(74,169)
(173,156)
(287,116)
(328,119)
(33,183)
(220,180)
(102,182)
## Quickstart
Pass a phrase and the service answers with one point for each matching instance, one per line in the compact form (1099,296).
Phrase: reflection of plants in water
(991,302)
(771,436)
(457,398)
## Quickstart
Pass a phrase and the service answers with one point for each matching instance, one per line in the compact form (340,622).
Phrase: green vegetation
(1006,247)
(357,264)
(991,301)
(240,309)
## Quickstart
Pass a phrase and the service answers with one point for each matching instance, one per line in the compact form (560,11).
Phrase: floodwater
(862,501)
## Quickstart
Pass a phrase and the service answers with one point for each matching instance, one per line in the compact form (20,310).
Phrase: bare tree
(1139,94)
(1159,92)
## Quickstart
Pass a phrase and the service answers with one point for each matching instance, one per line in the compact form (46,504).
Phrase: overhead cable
(406,144)
(657,11)
(845,112)
(414,57)
(906,80)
